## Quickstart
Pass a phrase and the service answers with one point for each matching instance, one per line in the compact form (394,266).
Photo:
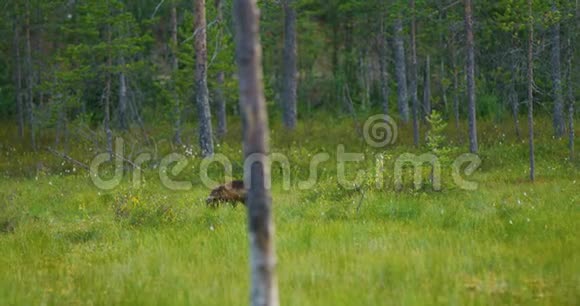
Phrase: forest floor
(509,242)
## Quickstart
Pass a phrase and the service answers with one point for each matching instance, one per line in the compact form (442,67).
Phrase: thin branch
(68,158)
(157,8)
(198,29)
(215,52)
(449,6)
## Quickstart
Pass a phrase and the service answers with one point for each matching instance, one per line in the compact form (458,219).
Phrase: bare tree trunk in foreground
(264,289)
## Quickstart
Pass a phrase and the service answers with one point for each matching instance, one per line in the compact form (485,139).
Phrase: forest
(289,152)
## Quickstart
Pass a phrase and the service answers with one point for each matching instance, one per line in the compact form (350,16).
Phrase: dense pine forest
(417,152)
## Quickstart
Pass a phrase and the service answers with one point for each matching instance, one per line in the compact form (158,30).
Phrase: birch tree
(383,63)
(174,56)
(470,66)
(289,74)
(18,78)
(29,77)
(427,88)
(264,289)
(413,89)
(222,125)
(558,117)
(201,91)
(531,91)
(400,70)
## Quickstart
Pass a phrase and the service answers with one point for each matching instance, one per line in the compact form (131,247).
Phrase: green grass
(510,242)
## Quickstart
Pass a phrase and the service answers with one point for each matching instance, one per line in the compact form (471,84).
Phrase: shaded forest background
(112,66)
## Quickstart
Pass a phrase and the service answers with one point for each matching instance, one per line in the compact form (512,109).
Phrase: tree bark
(531,91)
(107,93)
(222,127)
(427,88)
(571,98)
(175,67)
(558,119)
(123,124)
(514,99)
(363,77)
(473,146)
(61,125)
(384,67)
(107,110)
(413,89)
(400,71)
(201,92)
(30,79)
(455,89)
(289,74)
(18,80)
(571,130)
(264,289)
(444,89)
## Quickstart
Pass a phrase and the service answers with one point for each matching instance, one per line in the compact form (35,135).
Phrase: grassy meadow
(510,242)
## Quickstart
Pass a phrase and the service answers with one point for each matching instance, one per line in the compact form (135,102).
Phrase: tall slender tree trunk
(573,78)
(201,92)
(514,99)
(400,70)
(123,124)
(443,44)
(107,119)
(363,73)
(175,68)
(289,75)
(558,119)
(427,87)
(264,289)
(384,67)
(222,128)
(473,146)
(222,125)
(571,98)
(30,79)
(531,91)
(107,105)
(413,89)
(18,79)
(60,122)
(455,88)
(571,129)
(444,88)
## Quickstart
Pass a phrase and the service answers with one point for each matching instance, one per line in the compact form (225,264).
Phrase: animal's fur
(232,192)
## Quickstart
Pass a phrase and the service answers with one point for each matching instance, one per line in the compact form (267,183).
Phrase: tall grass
(65,242)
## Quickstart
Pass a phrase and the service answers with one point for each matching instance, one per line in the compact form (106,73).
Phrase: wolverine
(232,192)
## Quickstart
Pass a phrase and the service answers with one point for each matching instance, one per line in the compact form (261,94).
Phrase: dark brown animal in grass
(232,192)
